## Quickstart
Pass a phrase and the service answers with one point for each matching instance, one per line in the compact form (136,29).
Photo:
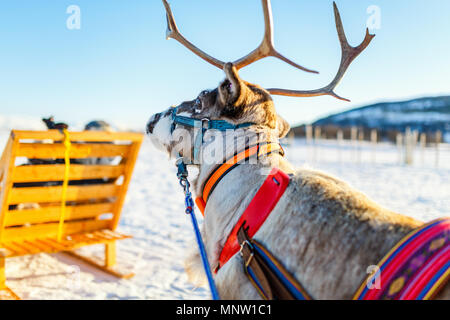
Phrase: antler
(172,32)
(265,49)
(349,54)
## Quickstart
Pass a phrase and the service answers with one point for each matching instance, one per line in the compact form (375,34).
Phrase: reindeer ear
(230,89)
(282,126)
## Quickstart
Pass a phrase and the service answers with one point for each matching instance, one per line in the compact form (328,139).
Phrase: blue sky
(119,67)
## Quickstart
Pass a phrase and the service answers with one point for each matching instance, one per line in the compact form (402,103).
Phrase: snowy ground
(153,214)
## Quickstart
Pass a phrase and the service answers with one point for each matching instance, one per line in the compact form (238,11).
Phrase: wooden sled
(57,195)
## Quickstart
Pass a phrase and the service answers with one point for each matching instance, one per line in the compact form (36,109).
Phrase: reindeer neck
(231,197)
(225,148)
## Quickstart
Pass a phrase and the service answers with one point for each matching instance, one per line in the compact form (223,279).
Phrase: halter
(203,124)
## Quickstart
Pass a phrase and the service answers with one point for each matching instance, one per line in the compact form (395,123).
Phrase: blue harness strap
(266,273)
(202,125)
(206,123)
(292,285)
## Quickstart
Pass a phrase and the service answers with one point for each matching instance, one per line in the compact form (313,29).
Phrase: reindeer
(325,232)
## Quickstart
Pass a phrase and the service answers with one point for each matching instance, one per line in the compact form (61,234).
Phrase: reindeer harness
(416,268)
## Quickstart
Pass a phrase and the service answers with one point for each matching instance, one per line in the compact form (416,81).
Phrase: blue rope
(201,246)
(182,175)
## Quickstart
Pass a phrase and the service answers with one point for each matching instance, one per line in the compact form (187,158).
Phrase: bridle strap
(206,123)
(203,125)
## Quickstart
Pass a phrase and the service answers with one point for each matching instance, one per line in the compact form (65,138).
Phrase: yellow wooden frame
(91,212)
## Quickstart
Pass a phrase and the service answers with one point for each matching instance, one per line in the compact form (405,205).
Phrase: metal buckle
(174,112)
(246,242)
(205,121)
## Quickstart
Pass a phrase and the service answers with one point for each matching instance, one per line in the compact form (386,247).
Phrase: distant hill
(426,115)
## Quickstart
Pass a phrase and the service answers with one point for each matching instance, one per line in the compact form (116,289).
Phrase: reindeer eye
(197,105)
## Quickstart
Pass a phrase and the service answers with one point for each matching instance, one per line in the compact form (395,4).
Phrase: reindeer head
(235,100)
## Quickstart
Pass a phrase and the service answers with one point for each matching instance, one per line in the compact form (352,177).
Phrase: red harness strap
(257,211)
(261,205)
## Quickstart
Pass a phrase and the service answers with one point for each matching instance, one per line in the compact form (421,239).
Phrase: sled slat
(85,238)
(53,194)
(51,229)
(52,243)
(39,244)
(44,173)
(114,234)
(83,136)
(9,250)
(53,213)
(104,236)
(18,250)
(77,150)
(26,246)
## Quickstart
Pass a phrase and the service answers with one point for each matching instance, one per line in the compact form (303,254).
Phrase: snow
(154,215)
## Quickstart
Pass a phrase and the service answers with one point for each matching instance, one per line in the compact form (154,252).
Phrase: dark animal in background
(51,124)
(98,125)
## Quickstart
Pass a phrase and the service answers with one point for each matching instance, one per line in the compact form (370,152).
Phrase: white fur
(162,136)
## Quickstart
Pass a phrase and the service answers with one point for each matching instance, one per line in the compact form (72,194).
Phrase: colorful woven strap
(415,269)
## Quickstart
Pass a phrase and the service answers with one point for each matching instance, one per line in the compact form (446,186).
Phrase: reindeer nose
(152,122)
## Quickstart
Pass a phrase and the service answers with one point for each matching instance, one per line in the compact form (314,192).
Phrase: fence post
(291,138)
(399,142)
(360,144)
(423,144)
(374,141)
(340,138)
(438,141)
(410,143)
(309,142)
(317,133)
(354,137)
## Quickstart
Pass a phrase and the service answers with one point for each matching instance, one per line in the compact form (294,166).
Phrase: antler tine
(172,32)
(349,54)
(267,48)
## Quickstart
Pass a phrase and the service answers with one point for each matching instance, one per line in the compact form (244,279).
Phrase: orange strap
(259,149)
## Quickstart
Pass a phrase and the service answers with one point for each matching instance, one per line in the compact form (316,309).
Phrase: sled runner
(56,193)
